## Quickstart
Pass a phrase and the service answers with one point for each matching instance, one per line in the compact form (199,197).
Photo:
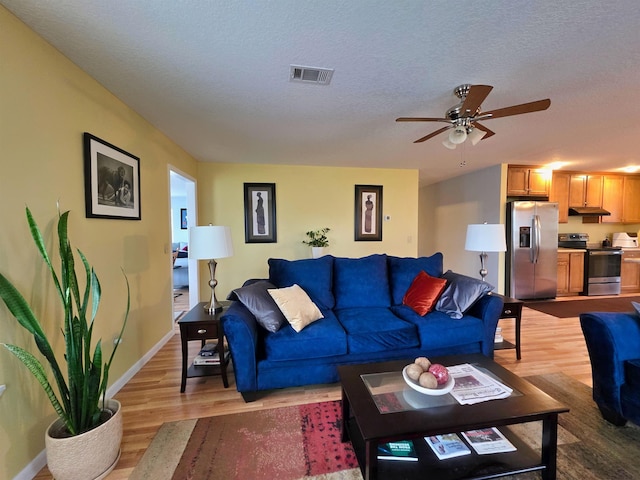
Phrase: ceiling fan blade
(488,133)
(476,95)
(517,109)
(432,134)
(422,119)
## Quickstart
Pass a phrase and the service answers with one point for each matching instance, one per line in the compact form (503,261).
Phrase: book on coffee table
(447,446)
(403,450)
(488,440)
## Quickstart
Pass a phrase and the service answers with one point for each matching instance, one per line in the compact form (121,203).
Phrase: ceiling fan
(464,118)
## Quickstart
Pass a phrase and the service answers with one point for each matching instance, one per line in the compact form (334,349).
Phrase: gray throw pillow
(258,301)
(460,294)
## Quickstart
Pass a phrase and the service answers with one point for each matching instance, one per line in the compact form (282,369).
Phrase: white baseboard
(38,463)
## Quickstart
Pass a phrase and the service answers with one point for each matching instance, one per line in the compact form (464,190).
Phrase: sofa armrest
(611,338)
(488,309)
(241,330)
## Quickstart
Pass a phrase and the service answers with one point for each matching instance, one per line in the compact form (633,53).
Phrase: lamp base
(483,271)
(214,305)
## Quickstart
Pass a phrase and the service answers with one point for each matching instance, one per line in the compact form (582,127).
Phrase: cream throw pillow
(296,306)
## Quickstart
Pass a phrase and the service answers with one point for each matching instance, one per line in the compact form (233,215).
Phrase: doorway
(182,213)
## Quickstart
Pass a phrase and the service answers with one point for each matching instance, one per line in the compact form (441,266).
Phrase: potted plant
(85,417)
(317,240)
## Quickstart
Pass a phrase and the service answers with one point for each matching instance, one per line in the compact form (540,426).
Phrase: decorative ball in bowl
(428,378)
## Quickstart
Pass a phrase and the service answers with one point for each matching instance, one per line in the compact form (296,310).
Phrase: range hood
(588,212)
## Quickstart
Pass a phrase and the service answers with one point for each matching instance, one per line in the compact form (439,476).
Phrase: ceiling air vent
(321,76)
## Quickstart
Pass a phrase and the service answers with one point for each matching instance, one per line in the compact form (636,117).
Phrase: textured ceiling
(213,76)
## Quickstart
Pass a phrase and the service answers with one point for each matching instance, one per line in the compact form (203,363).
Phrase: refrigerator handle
(535,245)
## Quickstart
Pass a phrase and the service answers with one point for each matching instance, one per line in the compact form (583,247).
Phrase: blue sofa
(364,321)
(613,342)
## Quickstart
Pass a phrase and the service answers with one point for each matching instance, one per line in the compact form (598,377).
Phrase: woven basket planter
(88,456)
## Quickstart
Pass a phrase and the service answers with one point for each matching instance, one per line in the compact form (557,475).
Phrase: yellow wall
(307,198)
(46,103)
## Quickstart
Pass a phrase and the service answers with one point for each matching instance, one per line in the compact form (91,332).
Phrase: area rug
(303,442)
(568,309)
(287,443)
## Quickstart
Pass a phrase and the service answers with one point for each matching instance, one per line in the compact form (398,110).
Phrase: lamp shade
(485,237)
(458,135)
(475,135)
(210,242)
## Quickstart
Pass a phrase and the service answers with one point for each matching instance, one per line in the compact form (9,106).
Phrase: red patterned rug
(298,442)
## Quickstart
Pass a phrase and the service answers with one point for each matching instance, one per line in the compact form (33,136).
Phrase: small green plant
(317,238)
(79,405)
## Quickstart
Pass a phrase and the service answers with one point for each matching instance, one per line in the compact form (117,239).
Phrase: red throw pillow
(424,293)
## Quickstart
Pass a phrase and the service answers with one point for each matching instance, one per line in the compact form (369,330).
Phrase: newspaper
(473,386)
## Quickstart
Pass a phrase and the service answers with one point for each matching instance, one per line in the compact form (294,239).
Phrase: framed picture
(111,181)
(183,218)
(260,213)
(368,213)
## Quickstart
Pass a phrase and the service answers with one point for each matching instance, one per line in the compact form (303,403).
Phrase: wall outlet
(2,389)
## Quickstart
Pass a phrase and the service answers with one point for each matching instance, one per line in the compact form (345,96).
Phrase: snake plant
(81,395)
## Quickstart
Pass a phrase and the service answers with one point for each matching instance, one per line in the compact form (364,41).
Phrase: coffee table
(413,415)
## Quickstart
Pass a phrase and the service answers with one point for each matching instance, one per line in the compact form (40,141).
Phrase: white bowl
(440,390)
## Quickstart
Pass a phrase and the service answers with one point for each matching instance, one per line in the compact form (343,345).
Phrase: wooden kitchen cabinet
(559,192)
(570,273)
(631,199)
(630,272)
(612,188)
(585,190)
(527,182)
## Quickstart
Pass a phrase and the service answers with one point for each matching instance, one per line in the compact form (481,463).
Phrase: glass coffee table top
(391,394)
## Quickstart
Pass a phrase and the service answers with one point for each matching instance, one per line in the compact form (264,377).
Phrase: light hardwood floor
(153,396)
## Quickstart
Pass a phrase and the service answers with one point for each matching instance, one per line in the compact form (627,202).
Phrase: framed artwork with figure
(368,213)
(260,213)
(111,181)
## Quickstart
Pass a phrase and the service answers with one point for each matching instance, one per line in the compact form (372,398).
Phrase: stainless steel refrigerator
(532,249)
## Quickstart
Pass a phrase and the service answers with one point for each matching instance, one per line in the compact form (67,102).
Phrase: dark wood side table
(512,308)
(198,324)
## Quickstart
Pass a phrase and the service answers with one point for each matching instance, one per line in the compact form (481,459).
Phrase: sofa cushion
(258,301)
(376,329)
(461,293)
(324,338)
(313,275)
(361,282)
(402,271)
(424,293)
(296,306)
(437,330)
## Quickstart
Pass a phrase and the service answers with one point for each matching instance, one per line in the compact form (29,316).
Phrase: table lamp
(484,237)
(208,243)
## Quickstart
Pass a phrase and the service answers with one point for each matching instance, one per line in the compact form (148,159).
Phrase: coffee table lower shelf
(470,467)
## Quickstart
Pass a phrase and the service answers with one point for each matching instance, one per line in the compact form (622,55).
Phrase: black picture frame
(368,213)
(260,213)
(111,181)
(183,219)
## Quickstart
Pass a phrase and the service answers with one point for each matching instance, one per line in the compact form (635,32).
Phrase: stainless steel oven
(602,271)
(601,264)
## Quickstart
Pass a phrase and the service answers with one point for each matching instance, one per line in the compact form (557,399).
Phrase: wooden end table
(511,308)
(198,324)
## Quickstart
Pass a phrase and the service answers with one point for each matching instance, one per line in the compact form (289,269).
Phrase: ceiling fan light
(476,135)
(448,144)
(458,135)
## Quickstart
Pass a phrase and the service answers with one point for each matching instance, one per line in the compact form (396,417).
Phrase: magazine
(488,440)
(447,446)
(209,360)
(402,450)
(473,386)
